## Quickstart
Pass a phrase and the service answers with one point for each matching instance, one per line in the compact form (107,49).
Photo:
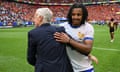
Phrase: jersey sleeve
(89,32)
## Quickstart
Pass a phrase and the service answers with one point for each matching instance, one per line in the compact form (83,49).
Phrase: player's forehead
(77,10)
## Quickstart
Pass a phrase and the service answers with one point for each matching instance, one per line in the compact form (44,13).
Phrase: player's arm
(108,24)
(84,48)
(116,25)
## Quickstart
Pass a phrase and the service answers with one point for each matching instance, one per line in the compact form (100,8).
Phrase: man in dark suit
(44,52)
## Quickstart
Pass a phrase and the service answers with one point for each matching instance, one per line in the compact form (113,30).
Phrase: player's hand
(94,59)
(61,37)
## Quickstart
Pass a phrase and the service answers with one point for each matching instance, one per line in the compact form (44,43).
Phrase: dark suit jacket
(45,53)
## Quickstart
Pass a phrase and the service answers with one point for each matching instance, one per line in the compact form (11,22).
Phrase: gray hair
(46,13)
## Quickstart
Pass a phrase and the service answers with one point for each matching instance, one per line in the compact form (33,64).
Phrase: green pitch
(13,46)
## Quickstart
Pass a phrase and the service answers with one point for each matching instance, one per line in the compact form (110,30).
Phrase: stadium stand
(20,12)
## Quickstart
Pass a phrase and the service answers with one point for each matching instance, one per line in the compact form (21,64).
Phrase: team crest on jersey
(80,35)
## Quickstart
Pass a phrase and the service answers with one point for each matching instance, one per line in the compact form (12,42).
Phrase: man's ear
(40,19)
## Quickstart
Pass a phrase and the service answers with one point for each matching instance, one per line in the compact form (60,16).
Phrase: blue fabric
(1,23)
(90,70)
(14,24)
(86,38)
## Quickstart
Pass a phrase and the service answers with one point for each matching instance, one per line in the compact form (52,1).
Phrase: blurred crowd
(66,1)
(13,13)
